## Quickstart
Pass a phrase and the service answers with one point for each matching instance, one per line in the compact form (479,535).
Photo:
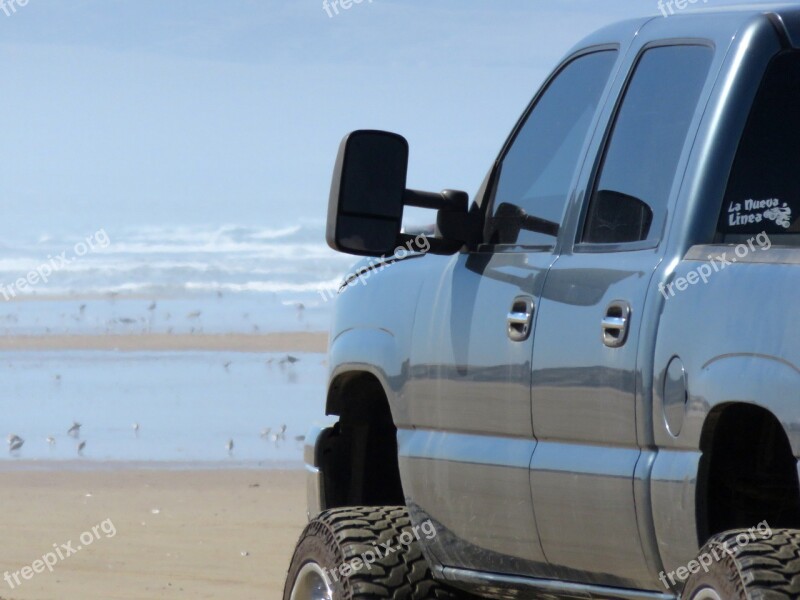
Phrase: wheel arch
(683,476)
(359,458)
(358,353)
(748,470)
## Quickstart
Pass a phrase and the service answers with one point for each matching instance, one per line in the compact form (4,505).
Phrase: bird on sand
(14,442)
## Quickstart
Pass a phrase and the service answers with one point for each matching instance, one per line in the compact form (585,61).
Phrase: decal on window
(755,211)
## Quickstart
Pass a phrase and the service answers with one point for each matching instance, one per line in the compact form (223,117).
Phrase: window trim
(599,160)
(498,163)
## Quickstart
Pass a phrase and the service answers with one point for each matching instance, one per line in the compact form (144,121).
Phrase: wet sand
(268,342)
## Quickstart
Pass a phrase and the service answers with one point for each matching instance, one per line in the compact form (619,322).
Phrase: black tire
(339,535)
(761,569)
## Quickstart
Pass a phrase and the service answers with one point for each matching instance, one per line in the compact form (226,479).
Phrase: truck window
(629,202)
(763,193)
(537,170)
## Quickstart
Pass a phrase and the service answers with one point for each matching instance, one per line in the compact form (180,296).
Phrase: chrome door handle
(520,318)
(616,323)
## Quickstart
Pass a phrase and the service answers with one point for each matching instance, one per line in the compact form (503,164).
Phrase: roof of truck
(737,16)
(777,7)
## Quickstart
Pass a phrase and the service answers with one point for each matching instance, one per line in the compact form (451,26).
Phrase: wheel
(747,564)
(360,553)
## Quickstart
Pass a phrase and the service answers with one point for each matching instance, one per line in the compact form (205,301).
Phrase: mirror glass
(366,205)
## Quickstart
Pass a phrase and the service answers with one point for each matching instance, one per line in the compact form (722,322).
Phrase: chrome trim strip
(505,587)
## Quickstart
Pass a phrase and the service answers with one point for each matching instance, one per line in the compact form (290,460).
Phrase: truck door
(585,376)
(465,450)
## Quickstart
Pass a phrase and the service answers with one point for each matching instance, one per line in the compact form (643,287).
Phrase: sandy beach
(301,341)
(177,534)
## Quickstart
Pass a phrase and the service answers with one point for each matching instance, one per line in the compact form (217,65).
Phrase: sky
(128,113)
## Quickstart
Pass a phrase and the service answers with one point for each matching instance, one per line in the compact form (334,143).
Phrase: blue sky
(198,112)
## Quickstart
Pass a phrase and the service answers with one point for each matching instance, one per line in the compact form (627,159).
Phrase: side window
(535,174)
(763,193)
(629,201)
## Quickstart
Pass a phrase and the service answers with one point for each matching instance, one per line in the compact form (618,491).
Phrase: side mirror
(365,211)
(368,194)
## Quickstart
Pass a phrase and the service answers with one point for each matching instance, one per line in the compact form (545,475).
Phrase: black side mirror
(368,193)
(365,211)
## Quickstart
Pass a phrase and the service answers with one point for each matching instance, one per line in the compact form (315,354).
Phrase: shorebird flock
(15,442)
(147,318)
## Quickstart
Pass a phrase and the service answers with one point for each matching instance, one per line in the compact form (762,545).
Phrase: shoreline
(89,465)
(300,341)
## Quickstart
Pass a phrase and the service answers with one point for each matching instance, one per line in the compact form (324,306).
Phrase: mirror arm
(435,245)
(454,221)
(448,200)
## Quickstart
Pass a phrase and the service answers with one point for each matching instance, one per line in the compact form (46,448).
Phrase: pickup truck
(585,384)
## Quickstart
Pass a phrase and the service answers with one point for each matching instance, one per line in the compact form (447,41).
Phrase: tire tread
(768,569)
(401,575)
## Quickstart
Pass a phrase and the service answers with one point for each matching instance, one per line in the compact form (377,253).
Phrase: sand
(223,534)
(269,342)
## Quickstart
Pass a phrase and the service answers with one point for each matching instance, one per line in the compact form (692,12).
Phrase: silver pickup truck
(585,383)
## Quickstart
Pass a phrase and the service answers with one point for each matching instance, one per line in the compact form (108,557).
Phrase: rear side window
(763,193)
(629,203)
(537,170)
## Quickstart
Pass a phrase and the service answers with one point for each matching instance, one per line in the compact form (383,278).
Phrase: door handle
(616,323)
(520,318)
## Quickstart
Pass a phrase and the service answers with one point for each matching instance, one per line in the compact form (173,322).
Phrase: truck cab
(587,381)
